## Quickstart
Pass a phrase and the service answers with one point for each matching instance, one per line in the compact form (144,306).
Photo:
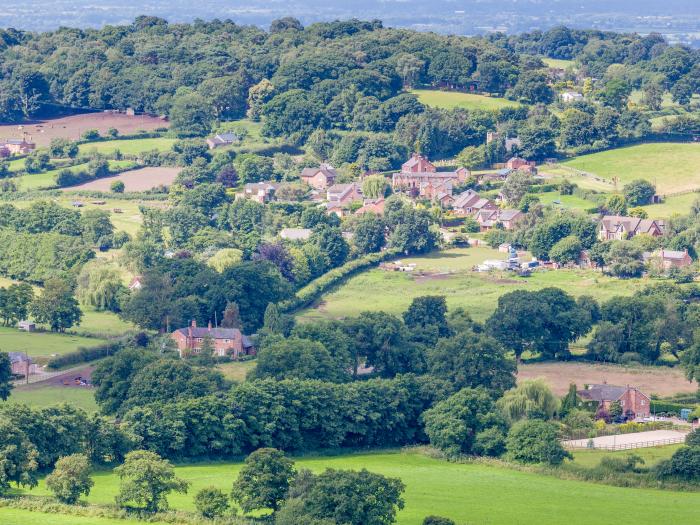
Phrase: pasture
(141,179)
(672,167)
(42,344)
(72,127)
(47,179)
(40,395)
(566,202)
(677,204)
(467,493)
(449,273)
(127,146)
(457,99)
(237,370)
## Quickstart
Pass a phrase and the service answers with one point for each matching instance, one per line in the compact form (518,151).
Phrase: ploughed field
(142,179)
(467,493)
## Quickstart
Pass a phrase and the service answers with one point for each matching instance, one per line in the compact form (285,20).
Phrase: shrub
(534,441)
(117,186)
(70,478)
(437,520)
(621,464)
(684,465)
(211,502)
(84,355)
(693,438)
(91,134)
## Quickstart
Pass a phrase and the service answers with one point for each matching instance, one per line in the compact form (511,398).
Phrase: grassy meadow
(40,396)
(677,204)
(42,344)
(467,493)
(47,179)
(567,202)
(449,273)
(672,167)
(127,146)
(456,99)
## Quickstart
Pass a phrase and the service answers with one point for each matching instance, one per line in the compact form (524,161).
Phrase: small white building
(567,97)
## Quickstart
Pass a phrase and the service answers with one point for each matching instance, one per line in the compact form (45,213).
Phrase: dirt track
(42,131)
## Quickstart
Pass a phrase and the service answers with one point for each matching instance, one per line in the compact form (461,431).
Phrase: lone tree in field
(70,478)
(117,186)
(56,306)
(146,480)
(264,480)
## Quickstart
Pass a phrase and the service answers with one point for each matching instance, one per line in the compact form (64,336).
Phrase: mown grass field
(568,202)
(236,371)
(452,277)
(678,204)
(44,396)
(456,99)
(467,493)
(42,344)
(127,146)
(47,179)
(672,167)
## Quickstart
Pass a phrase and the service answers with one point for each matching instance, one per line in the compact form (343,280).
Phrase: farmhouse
(520,164)
(470,203)
(222,139)
(667,259)
(420,177)
(16,147)
(616,227)
(22,364)
(344,193)
(488,218)
(319,178)
(567,97)
(634,403)
(225,341)
(261,192)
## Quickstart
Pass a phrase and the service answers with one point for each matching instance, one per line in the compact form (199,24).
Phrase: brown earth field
(659,380)
(135,180)
(42,131)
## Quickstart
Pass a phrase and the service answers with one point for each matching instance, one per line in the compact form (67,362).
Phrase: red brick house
(226,341)
(517,163)
(634,403)
(21,364)
(319,178)
(344,193)
(488,218)
(418,176)
(375,206)
(470,203)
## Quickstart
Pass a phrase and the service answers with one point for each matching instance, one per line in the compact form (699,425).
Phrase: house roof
(630,224)
(326,169)
(295,234)
(509,215)
(673,254)
(466,198)
(215,333)
(604,392)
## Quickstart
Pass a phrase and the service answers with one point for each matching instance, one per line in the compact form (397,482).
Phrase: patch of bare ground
(659,380)
(424,277)
(135,180)
(72,127)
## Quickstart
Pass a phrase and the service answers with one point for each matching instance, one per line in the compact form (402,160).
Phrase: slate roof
(603,392)
(216,333)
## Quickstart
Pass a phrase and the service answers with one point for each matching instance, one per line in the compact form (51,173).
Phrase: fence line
(628,446)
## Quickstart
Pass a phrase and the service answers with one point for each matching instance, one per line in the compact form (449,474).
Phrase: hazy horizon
(679,20)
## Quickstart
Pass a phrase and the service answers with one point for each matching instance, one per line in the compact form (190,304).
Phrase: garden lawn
(672,167)
(237,370)
(42,344)
(449,274)
(568,202)
(467,493)
(44,396)
(456,99)
(128,146)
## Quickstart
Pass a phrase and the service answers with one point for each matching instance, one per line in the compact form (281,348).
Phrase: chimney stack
(209,326)
(194,323)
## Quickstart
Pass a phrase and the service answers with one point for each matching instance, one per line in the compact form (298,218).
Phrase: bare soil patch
(659,380)
(135,180)
(427,276)
(42,131)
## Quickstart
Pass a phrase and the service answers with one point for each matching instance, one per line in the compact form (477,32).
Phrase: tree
(370,233)
(146,479)
(225,258)
(616,205)
(570,401)
(354,498)
(531,399)
(535,442)
(190,115)
(427,311)
(100,286)
(231,317)
(532,88)
(117,186)
(113,375)
(296,358)
(471,360)
(566,250)
(516,186)
(258,96)
(18,457)
(457,424)
(56,306)
(639,192)
(263,481)
(5,376)
(331,242)
(375,187)
(70,478)
(624,260)
(683,465)
(211,502)
(95,225)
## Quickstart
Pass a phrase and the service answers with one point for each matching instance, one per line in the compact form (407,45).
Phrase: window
(643,402)
(199,339)
(227,340)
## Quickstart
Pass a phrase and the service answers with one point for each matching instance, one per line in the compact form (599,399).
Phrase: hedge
(312,291)
(666,407)
(84,355)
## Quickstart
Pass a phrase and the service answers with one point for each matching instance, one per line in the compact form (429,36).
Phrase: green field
(672,167)
(651,455)
(452,277)
(677,204)
(25,517)
(467,493)
(127,146)
(569,202)
(557,62)
(43,396)
(97,324)
(42,344)
(237,370)
(47,179)
(455,99)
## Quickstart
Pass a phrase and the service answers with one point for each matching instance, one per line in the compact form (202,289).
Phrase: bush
(683,465)
(84,355)
(117,186)
(693,438)
(70,478)
(621,464)
(91,134)
(211,502)
(533,441)
(437,520)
